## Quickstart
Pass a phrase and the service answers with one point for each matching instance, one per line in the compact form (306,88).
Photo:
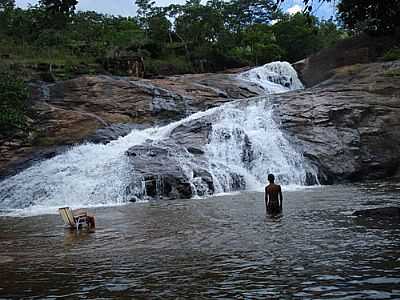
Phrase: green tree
(159,27)
(144,11)
(240,14)
(329,34)
(197,25)
(373,16)
(6,12)
(13,101)
(297,35)
(262,44)
(58,11)
(7,5)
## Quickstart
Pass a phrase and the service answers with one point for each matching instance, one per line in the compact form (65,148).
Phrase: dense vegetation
(202,37)
(371,16)
(13,101)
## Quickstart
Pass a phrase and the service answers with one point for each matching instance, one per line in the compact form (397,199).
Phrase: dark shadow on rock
(385,218)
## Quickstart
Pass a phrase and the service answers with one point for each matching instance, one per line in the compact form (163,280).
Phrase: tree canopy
(371,16)
(192,37)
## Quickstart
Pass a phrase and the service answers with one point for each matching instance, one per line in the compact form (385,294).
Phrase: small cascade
(244,145)
(246,141)
(275,77)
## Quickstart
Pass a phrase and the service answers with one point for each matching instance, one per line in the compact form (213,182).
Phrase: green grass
(392,54)
(392,73)
(167,66)
(23,53)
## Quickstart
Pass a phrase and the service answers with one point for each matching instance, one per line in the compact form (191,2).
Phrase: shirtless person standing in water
(273,196)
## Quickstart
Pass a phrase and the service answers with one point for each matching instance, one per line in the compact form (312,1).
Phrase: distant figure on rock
(273,196)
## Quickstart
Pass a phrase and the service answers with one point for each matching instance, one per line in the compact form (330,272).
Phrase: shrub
(392,54)
(13,101)
(167,66)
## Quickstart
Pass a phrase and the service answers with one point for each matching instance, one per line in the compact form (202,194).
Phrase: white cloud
(273,22)
(294,9)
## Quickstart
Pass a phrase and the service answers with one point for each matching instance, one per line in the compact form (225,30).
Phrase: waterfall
(275,77)
(247,141)
(244,141)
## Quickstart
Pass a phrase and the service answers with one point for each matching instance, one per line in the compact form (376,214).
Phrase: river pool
(221,247)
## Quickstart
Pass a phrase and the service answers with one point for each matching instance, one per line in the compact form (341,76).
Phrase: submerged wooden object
(76,219)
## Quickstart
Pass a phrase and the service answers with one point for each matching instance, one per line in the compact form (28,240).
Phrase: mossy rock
(392,73)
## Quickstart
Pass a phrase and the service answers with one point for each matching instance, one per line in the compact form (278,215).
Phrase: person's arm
(266,199)
(281,198)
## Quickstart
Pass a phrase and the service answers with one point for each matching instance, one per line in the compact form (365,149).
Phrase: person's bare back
(273,196)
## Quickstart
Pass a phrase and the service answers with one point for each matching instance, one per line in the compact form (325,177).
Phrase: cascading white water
(244,140)
(275,77)
(247,141)
(86,175)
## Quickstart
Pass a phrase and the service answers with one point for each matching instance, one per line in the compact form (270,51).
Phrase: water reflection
(274,218)
(72,236)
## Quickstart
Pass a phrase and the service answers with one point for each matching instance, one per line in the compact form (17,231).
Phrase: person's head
(271,178)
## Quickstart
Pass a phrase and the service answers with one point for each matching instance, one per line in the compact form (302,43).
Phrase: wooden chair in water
(77,219)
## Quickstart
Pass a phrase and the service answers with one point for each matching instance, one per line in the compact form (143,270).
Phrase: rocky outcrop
(348,126)
(101,108)
(160,163)
(176,167)
(360,49)
(379,213)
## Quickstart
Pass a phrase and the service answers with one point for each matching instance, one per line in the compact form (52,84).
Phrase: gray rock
(348,127)
(382,212)
(175,167)
(162,172)
(113,132)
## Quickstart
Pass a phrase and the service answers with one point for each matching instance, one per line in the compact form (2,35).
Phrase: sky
(127,7)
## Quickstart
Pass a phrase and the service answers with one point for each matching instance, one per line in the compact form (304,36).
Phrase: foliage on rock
(13,101)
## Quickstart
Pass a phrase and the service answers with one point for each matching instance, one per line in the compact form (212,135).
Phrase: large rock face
(97,109)
(348,126)
(361,49)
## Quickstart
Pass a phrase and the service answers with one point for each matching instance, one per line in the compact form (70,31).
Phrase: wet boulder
(379,213)
(174,167)
(177,166)
(159,168)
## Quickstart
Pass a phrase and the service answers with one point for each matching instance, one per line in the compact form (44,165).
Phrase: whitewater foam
(244,141)
(275,77)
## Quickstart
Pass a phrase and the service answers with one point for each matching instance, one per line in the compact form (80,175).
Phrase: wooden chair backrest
(67,216)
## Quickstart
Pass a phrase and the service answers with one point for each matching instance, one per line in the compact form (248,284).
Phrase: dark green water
(221,248)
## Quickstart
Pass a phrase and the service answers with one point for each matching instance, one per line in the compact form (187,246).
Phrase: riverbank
(220,247)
